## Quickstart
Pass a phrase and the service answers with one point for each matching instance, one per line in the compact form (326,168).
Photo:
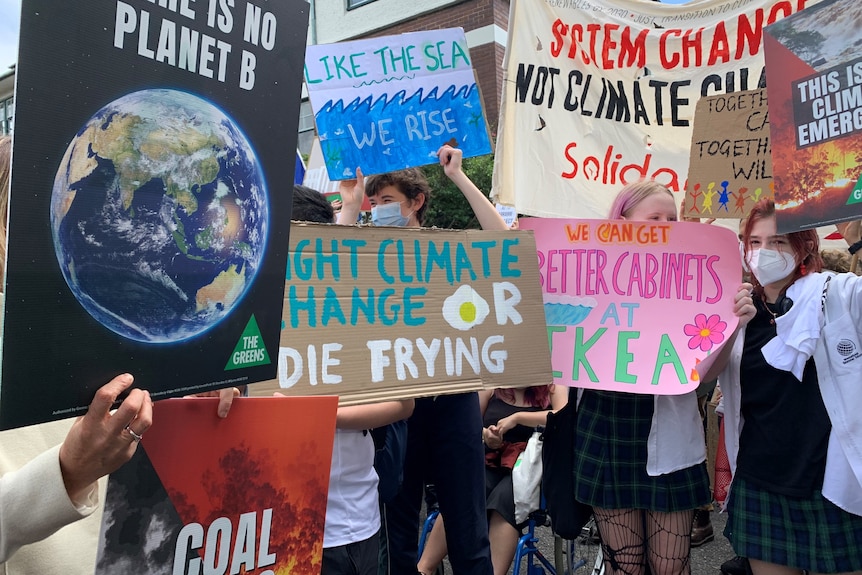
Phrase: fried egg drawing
(465,308)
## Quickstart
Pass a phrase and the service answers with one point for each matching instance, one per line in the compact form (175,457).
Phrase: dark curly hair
(410,182)
(310,206)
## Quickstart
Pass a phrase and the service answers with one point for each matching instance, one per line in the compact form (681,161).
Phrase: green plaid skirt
(611,458)
(804,533)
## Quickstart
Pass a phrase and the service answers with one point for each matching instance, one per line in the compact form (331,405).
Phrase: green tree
(448,208)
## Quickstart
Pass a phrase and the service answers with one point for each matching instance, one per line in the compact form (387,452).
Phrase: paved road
(705,560)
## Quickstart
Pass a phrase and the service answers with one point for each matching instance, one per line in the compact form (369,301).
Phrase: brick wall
(487,62)
(501,14)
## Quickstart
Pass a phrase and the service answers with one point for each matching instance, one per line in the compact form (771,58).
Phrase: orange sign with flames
(245,494)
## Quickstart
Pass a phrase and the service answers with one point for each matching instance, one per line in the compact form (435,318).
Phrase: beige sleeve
(34,503)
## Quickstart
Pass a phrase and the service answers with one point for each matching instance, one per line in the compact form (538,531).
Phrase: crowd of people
(791,403)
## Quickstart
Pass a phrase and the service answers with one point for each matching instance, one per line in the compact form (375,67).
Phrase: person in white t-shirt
(350,535)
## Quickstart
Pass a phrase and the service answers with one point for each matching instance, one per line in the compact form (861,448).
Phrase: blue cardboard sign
(389,103)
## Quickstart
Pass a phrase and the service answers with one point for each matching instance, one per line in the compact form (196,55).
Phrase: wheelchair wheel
(587,548)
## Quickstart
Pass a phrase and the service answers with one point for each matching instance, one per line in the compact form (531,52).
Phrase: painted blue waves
(397,131)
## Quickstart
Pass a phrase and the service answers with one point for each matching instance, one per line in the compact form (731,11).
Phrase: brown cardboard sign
(731,162)
(374,314)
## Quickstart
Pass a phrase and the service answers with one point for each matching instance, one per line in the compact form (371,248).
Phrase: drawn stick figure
(724,196)
(757,193)
(707,197)
(740,200)
(694,195)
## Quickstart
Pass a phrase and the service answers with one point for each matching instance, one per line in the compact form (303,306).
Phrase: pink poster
(635,306)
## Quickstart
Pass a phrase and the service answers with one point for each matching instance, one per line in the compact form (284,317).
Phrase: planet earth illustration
(159,216)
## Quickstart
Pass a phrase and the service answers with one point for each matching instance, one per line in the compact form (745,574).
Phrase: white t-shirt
(352,510)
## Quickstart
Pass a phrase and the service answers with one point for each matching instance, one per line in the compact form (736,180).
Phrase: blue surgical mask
(389,215)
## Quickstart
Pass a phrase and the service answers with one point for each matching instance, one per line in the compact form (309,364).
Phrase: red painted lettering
(608,44)
(749,35)
(720,49)
(778,11)
(632,53)
(692,41)
(668,61)
(558,29)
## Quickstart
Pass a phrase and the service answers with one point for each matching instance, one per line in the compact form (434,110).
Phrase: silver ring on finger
(134,435)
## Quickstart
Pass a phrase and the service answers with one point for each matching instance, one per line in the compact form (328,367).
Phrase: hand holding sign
(225,399)
(101,441)
(851,231)
(352,193)
(743,305)
(451,159)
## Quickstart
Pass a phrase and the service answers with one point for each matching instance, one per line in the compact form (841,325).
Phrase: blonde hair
(5,171)
(633,194)
(836,260)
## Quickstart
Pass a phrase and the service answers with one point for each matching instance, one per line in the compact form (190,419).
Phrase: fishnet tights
(633,539)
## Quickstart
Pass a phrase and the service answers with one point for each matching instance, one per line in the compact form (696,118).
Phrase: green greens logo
(856,194)
(249,350)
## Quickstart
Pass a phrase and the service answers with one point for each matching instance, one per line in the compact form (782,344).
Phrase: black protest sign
(152,163)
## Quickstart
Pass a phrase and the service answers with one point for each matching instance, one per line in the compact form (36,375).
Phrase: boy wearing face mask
(398,199)
(443,434)
(791,392)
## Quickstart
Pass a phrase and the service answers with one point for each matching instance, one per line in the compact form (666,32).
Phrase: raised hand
(352,193)
(450,158)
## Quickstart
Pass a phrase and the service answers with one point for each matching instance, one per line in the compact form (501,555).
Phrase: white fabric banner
(600,93)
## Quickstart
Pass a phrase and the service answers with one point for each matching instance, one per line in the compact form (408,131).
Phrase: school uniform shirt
(352,510)
(837,355)
(676,439)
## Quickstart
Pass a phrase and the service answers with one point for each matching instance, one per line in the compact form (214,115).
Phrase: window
(306,127)
(306,116)
(7,110)
(351,4)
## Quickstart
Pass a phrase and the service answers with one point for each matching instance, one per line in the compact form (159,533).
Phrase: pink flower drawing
(705,332)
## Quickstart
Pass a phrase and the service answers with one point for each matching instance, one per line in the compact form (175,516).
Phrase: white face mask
(770,266)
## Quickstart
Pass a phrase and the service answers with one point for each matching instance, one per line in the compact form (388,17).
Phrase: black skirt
(500,495)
